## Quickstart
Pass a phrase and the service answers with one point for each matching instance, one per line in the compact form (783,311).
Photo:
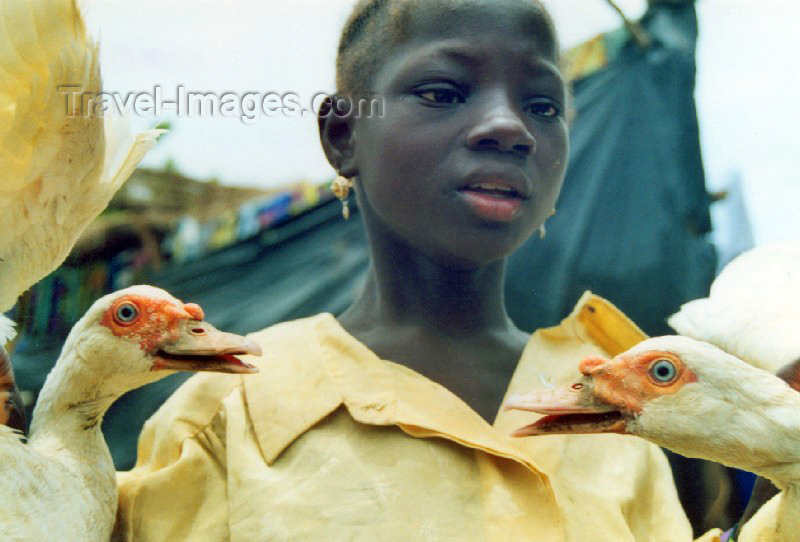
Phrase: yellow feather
(58,170)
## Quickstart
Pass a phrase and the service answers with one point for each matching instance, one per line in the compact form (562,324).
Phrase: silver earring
(542,228)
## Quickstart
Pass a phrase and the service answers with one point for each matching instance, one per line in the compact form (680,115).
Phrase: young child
(382,424)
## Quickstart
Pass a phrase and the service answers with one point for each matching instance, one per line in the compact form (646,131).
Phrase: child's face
(470,154)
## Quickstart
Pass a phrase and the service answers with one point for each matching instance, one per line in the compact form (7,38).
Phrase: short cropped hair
(376,27)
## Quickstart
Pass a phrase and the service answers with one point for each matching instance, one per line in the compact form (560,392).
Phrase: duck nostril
(198,331)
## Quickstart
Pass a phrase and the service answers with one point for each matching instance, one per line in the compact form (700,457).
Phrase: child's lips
(498,179)
(492,203)
(496,187)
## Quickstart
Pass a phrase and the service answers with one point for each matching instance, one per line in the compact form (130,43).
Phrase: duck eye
(663,371)
(126,313)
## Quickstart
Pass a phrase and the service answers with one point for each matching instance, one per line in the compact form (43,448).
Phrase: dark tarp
(633,215)
(630,226)
(633,212)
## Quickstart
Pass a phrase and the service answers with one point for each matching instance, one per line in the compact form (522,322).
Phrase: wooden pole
(638,33)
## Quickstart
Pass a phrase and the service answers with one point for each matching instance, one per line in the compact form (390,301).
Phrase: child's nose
(500,127)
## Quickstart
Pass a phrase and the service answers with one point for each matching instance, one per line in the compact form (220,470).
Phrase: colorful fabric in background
(56,303)
(594,55)
(61,298)
(192,240)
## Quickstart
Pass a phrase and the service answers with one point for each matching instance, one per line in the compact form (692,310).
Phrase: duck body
(81,487)
(751,312)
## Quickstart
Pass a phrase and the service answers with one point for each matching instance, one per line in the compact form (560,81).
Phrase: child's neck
(451,326)
(406,288)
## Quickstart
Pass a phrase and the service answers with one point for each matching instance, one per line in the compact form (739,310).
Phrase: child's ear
(336,136)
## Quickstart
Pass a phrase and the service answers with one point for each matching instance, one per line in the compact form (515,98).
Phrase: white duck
(693,398)
(753,309)
(59,166)
(61,485)
(752,312)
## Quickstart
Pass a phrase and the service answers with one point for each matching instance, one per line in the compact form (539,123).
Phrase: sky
(747,89)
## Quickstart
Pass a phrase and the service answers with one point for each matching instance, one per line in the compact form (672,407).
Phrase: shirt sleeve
(663,518)
(177,490)
(657,515)
(711,536)
(762,526)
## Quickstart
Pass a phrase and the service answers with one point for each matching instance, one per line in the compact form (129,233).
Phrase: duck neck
(72,402)
(69,411)
(66,427)
(67,417)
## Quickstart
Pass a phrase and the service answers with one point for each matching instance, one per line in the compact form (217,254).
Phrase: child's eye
(545,108)
(441,96)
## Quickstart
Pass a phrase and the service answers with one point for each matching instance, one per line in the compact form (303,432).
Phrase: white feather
(7,332)
(30,479)
(753,310)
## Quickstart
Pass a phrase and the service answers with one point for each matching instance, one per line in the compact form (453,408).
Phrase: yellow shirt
(328,442)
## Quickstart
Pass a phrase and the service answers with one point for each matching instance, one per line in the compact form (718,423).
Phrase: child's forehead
(441,19)
(477,57)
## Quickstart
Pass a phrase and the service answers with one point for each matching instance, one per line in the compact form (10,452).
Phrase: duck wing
(60,161)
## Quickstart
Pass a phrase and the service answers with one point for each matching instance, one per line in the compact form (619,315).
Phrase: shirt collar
(380,392)
(342,371)
(278,406)
(597,320)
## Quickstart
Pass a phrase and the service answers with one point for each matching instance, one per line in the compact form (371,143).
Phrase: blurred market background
(746,87)
(239,217)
